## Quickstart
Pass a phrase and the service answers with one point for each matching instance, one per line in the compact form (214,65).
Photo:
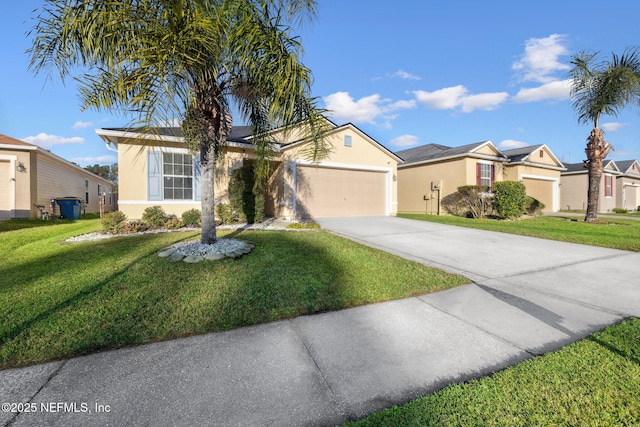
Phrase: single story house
(433,171)
(357,178)
(31,177)
(619,187)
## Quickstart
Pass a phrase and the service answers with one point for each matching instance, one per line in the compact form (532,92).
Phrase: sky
(406,72)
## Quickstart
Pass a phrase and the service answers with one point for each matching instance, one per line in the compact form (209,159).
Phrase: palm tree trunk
(597,149)
(207,194)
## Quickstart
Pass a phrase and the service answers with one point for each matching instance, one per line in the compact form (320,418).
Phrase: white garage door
(329,192)
(5,182)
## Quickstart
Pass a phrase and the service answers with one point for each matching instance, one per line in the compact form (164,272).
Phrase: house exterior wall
(541,183)
(134,184)
(16,192)
(628,193)
(575,188)
(415,182)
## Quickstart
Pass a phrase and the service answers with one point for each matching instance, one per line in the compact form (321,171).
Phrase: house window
(608,185)
(484,174)
(86,191)
(177,176)
(347,140)
(99,192)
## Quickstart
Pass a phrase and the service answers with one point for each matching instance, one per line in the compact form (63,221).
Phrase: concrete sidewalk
(529,296)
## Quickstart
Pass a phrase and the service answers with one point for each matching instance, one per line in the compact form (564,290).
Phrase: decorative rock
(233,254)
(192,259)
(166,252)
(214,257)
(175,257)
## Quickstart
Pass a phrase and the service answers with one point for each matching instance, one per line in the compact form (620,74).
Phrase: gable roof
(8,142)
(629,166)
(523,155)
(436,152)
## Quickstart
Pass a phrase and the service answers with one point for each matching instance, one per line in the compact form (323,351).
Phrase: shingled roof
(429,152)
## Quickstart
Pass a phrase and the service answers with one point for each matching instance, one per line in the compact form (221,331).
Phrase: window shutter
(493,174)
(154,175)
(197,173)
(478,174)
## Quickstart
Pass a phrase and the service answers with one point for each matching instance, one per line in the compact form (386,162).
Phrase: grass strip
(607,232)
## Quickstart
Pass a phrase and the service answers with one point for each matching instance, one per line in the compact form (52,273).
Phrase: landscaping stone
(214,257)
(166,252)
(192,259)
(175,257)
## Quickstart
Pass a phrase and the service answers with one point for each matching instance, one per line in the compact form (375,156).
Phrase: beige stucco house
(431,172)
(619,186)
(358,177)
(31,177)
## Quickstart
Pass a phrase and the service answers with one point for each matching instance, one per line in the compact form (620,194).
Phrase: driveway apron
(526,296)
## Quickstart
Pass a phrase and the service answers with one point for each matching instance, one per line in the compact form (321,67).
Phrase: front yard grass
(63,300)
(594,382)
(608,232)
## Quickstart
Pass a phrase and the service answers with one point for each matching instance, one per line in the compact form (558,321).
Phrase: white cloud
(368,109)
(47,141)
(102,160)
(404,75)
(442,99)
(540,59)
(612,126)
(560,89)
(405,141)
(508,144)
(483,101)
(81,125)
(453,97)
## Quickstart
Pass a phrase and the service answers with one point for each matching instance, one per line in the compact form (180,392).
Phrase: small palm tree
(602,88)
(190,60)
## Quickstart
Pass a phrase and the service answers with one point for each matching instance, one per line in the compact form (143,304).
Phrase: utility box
(69,207)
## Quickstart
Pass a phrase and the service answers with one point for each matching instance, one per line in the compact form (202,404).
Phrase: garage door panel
(332,192)
(541,190)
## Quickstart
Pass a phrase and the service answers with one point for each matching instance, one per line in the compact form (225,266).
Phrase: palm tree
(602,88)
(191,60)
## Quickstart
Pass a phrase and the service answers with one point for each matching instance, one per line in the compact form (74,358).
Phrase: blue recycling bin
(69,207)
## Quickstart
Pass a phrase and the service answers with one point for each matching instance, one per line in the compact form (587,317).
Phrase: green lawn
(608,232)
(594,382)
(62,300)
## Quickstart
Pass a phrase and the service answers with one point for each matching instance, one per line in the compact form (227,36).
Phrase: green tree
(602,87)
(108,172)
(189,60)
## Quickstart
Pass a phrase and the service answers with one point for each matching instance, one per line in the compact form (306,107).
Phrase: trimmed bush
(173,222)
(135,226)
(246,203)
(113,222)
(620,210)
(534,206)
(509,199)
(224,213)
(192,218)
(155,216)
(453,204)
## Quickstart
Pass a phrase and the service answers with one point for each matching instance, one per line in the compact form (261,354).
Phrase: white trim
(555,188)
(19,147)
(12,186)
(159,202)
(335,165)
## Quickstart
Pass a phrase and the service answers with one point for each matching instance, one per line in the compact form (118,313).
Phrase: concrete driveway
(527,296)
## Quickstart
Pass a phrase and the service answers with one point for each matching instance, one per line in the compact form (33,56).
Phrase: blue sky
(406,72)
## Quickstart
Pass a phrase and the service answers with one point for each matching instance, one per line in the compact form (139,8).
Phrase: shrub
(246,202)
(135,226)
(308,225)
(510,198)
(192,218)
(113,222)
(620,210)
(453,204)
(173,222)
(224,213)
(155,216)
(533,206)
(476,199)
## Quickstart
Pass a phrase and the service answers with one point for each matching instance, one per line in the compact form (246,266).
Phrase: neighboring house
(31,177)
(431,172)
(619,186)
(358,177)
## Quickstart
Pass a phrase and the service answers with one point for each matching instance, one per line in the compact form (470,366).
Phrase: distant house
(619,187)
(31,177)
(358,178)
(431,172)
